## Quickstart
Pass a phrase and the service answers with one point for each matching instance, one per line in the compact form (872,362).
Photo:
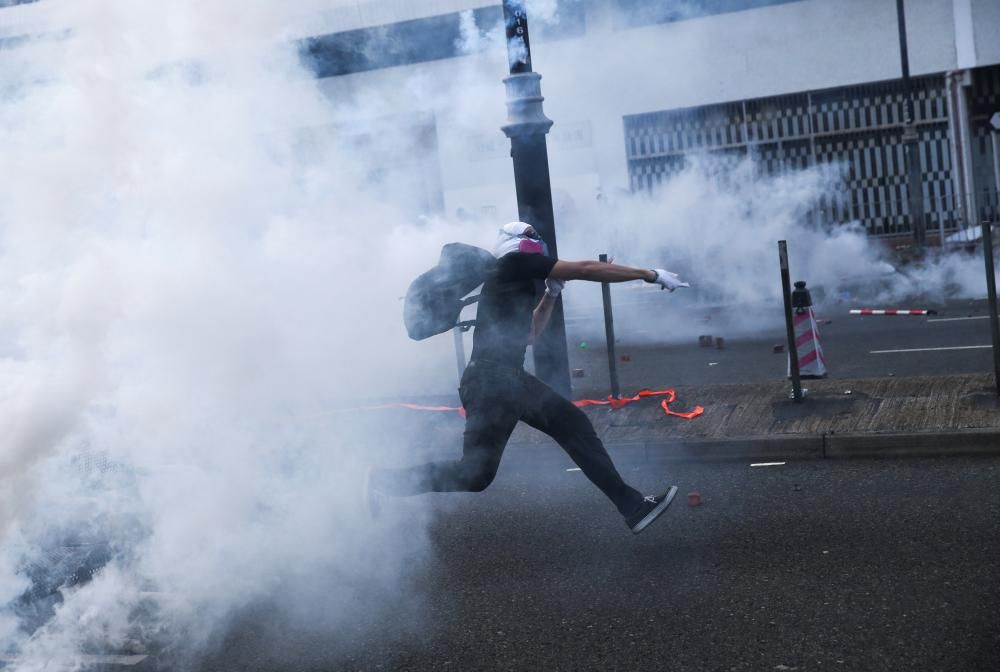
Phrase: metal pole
(526,127)
(459,350)
(914,184)
(991,291)
(941,210)
(609,334)
(786,293)
(995,137)
(518,44)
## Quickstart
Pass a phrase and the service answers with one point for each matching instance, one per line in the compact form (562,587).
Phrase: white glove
(553,287)
(668,280)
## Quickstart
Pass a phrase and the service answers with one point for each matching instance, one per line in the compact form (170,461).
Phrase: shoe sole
(655,513)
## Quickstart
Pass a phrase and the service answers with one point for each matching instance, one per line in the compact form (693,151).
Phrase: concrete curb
(951,443)
(957,443)
(762,448)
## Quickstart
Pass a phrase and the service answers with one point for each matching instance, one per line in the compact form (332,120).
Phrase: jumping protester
(497,392)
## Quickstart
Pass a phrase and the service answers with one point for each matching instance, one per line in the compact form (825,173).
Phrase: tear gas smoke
(717,224)
(197,268)
(201,256)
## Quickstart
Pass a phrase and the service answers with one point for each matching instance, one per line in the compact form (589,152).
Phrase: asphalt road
(847,565)
(954,341)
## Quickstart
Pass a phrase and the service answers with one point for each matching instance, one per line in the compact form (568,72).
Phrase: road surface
(832,565)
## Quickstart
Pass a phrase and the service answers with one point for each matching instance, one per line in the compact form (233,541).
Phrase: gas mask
(519,237)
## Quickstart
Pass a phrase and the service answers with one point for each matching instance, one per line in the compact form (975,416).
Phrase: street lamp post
(995,125)
(911,141)
(526,127)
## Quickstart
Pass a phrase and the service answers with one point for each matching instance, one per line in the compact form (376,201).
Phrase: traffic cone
(812,363)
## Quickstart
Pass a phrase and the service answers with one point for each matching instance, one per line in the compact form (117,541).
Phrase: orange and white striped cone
(812,363)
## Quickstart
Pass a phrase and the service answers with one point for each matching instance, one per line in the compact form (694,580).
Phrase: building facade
(637,87)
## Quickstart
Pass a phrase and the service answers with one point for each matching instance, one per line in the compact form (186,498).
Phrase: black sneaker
(650,509)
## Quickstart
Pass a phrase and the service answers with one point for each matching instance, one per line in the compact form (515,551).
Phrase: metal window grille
(858,127)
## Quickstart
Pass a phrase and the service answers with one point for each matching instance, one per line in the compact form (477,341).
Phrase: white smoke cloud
(720,223)
(717,224)
(472,39)
(198,263)
(195,273)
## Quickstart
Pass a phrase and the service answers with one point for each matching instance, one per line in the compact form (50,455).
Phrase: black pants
(495,399)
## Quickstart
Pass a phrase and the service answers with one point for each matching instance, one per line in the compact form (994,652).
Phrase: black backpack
(436,298)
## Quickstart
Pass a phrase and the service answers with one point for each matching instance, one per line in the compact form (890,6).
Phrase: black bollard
(609,334)
(793,354)
(991,291)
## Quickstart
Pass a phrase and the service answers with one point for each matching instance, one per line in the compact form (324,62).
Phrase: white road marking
(767,464)
(127,661)
(957,347)
(574,469)
(956,319)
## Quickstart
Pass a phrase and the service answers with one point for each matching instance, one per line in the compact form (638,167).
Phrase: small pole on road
(991,291)
(609,334)
(911,141)
(786,293)
(459,350)
(995,137)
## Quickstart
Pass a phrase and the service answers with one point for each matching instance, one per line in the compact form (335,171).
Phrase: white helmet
(518,237)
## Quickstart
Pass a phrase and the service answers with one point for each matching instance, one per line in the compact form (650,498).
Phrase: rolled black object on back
(434,300)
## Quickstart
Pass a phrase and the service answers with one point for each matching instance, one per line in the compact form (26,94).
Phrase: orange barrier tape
(671,396)
(690,415)
(625,401)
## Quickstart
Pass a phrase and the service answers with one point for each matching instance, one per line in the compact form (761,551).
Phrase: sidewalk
(912,416)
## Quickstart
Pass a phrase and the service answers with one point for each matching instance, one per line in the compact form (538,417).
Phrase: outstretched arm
(595,271)
(599,271)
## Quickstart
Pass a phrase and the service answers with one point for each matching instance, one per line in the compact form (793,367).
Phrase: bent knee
(478,477)
(480,482)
